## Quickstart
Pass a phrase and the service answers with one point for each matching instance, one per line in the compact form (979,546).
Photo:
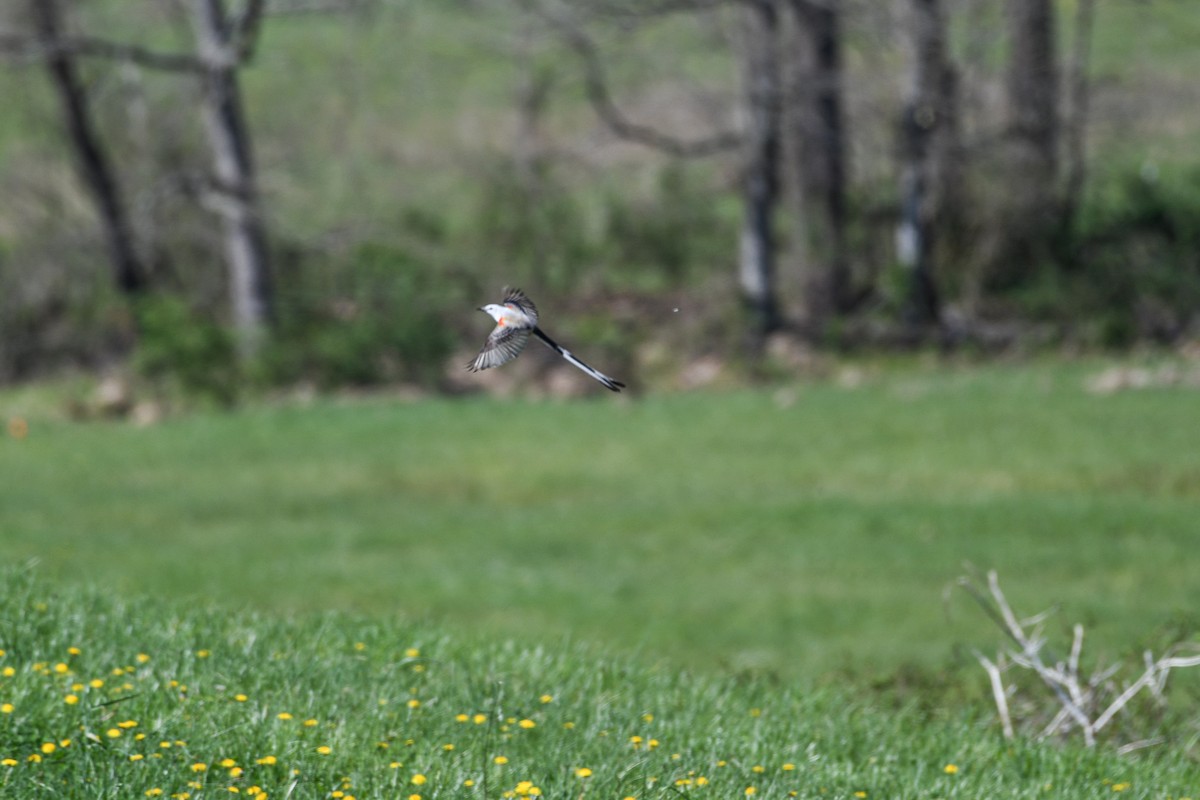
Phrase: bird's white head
(496,311)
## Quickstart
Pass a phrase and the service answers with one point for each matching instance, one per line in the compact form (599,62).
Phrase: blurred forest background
(225,193)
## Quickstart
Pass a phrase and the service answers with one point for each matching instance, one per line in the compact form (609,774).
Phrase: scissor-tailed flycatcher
(516,317)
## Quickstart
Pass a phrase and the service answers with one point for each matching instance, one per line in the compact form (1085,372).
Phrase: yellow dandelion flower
(479,719)
(583,772)
(759,768)
(71,699)
(285,716)
(461,718)
(547,698)
(310,723)
(48,747)
(203,653)
(61,668)
(418,779)
(860,794)
(155,792)
(396,765)
(360,646)
(647,718)
(527,724)
(501,760)
(414,703)
(788,767)
(142,658)
(950,769)
(127,724)
(36,758)
(1120,787)
(266,760)
(96,683)
(750,790)
(136,757)
(6,708)
(236,772)
(8,672)
(241,698)
(448,747)
(324,749)
(414,797)
(8,762)
(568,725)
(412,652)
(113,733)
(73,651)
(653,743)
(702,781)
(199,766)
(636,741)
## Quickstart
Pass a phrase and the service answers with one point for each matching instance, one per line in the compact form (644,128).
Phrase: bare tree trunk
(930,151)
(236,195)
(760,180)
(1029,204)
(94,167)
(1076,124)
(817,130)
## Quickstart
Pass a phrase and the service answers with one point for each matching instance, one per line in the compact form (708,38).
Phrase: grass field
(805,530)
(105,698)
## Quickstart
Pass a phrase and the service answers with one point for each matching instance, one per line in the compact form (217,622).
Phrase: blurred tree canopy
(331,185)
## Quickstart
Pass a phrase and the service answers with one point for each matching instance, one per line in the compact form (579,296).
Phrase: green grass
(102,697)
(736,530)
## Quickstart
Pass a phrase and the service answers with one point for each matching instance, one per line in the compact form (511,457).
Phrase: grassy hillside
(806,530)
(102,697)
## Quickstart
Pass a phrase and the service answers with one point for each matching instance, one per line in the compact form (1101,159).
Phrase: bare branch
(596,86)
(998,693)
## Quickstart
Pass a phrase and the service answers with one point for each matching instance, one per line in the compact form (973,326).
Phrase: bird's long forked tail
(608,382)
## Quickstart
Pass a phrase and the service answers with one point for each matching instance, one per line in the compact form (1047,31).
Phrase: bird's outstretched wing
(515,297)
(503,345)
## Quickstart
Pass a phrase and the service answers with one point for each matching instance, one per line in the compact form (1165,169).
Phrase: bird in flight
(516,317)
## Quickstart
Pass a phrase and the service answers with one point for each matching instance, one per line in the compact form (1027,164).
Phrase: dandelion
(96,683)
(61,668)
(136,757)
(203,653)
(750,791)
(36,758)
(950,769)
(414,797)
(479,719)
(241,698)
(636,741)
(583,772)
(155,792)
(360,646)
(788,767)
(8,672)
(501,760)
(647,718)
(236,772)
(310,723)
(324,750)
(702,781)
(414,703)
(448,747)
(49,747)
(127,724)
(860,794)
(285,716)
(418,779)
(226,763)
(1120,787)
(142,658)
(8,762)
(412,652)
(71,699)
(546,698)
(266,760)
(199,766)
(461,718)
(527,724)
(758,768)
(6,708)
(113,733)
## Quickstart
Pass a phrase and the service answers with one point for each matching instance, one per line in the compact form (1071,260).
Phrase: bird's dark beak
(481,308)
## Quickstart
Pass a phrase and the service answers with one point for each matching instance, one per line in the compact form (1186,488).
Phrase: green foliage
(376,315)
(106,698)
(663,240)
(180,346)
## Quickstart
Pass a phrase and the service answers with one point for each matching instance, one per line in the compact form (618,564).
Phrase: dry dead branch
(1089,704)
